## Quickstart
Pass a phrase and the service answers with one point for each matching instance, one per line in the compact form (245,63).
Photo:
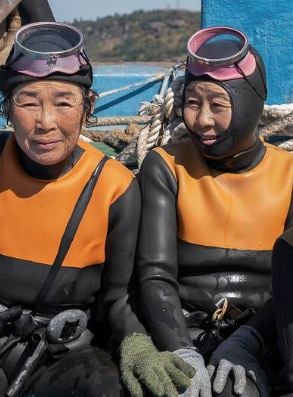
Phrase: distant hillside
(159,35)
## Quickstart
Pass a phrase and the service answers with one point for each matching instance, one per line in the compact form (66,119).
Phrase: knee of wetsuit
(3,382)
(250,390)
(83,372)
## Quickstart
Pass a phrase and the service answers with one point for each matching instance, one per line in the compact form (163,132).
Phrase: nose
(205,118)
(46,119)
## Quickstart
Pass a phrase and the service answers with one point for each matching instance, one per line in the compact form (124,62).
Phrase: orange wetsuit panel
(244,211)
(36,211)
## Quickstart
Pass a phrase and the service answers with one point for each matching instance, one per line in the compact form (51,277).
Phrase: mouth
(46,144)
(207,139)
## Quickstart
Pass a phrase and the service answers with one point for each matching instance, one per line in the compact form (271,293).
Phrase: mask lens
(218,46)
(221,46)
(43,39)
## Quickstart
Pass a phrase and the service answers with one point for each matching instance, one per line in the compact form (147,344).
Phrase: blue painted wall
(269,27)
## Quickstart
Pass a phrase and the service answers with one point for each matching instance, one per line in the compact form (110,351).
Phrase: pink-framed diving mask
(222,53)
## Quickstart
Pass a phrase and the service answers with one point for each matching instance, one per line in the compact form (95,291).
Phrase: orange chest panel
(34,213)
(244,211)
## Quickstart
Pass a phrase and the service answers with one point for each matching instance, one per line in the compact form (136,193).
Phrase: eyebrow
(29,93)
(212,93)
(220,95)
(65,93)
(33,93)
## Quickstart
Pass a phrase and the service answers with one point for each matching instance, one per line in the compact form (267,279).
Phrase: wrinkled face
(47,118)
(207,113)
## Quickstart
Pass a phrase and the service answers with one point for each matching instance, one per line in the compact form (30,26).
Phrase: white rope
(142,144)
(169,104)
(287,145)
(120,120)
(173,99)
(156,123)
(179,131)
(277,120)
(166,134)
(85,138)
(177,87)
(155,128)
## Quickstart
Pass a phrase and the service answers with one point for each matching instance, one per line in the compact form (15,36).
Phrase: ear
(92,96)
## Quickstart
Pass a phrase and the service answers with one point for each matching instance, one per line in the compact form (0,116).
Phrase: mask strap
(262,79)
(83,55)
(239,70)
(12,58)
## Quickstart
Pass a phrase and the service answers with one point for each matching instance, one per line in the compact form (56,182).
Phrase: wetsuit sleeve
(157,263)
(35,11)
(119,301)
(264,321)
(289,220)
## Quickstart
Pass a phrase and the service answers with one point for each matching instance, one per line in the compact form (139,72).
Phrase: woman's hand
(143,366)
(237,356)
(200,384)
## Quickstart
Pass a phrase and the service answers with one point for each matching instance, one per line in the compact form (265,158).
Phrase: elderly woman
(212,209)
(69,229)
(69,224)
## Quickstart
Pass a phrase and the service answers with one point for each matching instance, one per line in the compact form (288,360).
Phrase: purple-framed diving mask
(43,48)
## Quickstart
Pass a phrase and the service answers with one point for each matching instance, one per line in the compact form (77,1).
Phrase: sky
(68,10)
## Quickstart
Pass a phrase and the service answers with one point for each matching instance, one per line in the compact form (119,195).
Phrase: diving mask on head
(43,48)
(46,50)
(232,59)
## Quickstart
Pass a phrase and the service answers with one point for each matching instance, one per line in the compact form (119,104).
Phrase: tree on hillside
(158,35)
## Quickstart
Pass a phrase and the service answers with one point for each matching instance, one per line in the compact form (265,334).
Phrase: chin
(209,153)
(48,160)
(216,151)
(220,150)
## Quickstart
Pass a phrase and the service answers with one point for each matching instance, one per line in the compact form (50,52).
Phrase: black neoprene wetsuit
(207,233)
(96,270)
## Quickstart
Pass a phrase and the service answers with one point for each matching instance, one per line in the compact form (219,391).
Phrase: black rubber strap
(69,234)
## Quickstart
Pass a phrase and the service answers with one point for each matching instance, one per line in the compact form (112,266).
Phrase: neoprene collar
(50,172)
(241,162)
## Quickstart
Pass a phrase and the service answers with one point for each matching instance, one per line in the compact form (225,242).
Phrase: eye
(64,104)
(194,103)
(28,105)
(220,105)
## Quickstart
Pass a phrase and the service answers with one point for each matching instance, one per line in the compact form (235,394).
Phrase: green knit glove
(142,364)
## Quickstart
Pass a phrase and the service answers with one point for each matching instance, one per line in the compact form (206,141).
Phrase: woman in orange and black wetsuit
(213,207)
(69,219)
